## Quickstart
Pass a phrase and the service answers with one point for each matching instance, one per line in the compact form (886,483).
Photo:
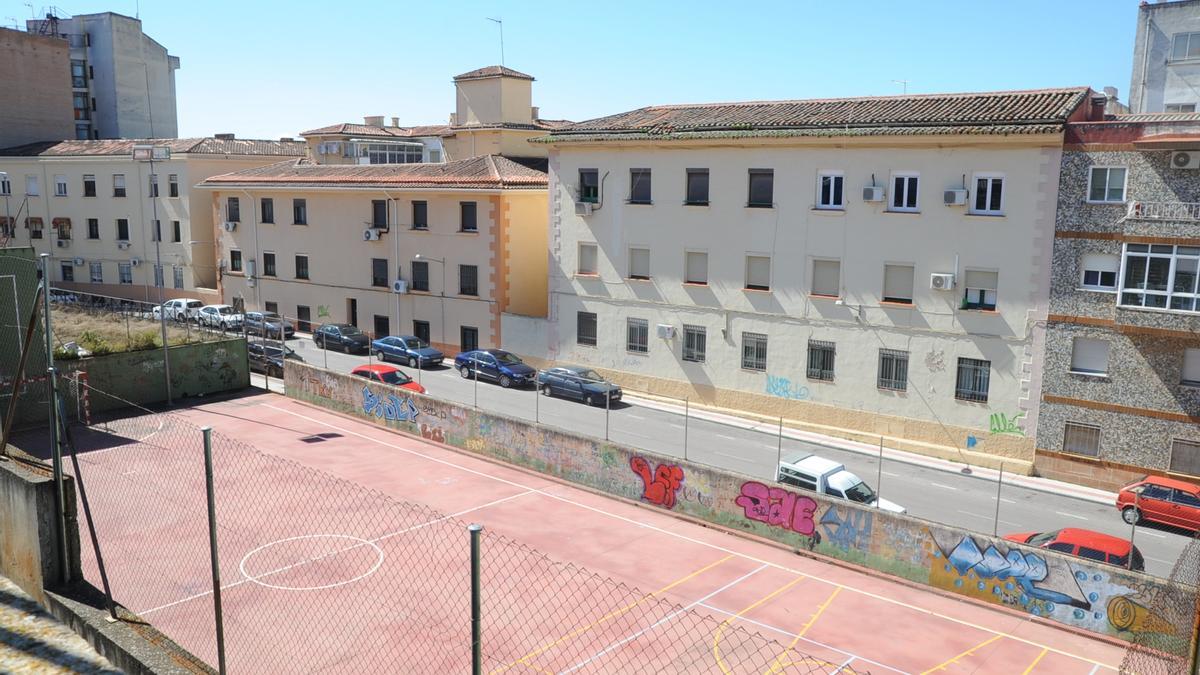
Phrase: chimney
(373,120)
(1110,92)
(534,112)
(223,137)
(1096,114)
(453,119)
(395,121)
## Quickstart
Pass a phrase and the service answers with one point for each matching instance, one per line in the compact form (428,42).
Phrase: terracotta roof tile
(491,71)
(484,172)
(205,146)
(1155,117)
(365,130)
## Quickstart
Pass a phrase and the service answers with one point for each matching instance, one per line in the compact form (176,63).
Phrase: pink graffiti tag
(778,507)
(659,488)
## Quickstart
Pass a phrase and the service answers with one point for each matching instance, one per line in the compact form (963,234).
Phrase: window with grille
(301,267)
(68,271)
(468,338)
(468,280)
(125,273)
(96,272)
(177,273)
(893,370)
(694,343)
(268,264)
(60,186)
(93,225)
(754,351)
(267,205)
(420,215)
(153,184)
(420,275)
(158,276)
(122,229)
(820,360)
(585,328)
(637,336)
(235,261)
(89,185)
(379,272)
(118,185)
(1185,457)
(172,185)
(1081,439)
(639,186)
(972,381)
(299,212)
(233,209)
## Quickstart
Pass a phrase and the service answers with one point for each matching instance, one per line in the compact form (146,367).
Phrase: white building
(1166,58)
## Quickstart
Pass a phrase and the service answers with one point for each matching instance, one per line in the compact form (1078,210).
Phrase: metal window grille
(754,351)
(694,343)
(1081,439)
(973,377)
(1185,457)
(637,336)
(820,360)
(468,280)
(585,328)
(893,369)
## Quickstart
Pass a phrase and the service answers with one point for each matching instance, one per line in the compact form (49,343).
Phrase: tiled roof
(536,125)
(1005,112)
(1155,117)
(484,172)
(491,71)
(205,146)
(365,130)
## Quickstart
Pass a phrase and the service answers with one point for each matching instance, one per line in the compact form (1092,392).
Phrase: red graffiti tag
(661,487)
(778,507)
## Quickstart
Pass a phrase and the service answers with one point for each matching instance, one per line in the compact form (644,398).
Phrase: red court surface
(844,620)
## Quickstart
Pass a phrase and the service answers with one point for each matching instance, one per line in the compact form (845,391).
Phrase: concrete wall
(524,245)
(1072,591)
(36,81)
(28,534)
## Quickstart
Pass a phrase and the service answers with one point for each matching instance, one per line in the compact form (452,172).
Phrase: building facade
(872,267)
(1121,392)
(92,207)
(1166,58)
(36,82)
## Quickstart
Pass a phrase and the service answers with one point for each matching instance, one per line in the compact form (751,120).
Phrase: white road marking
(1072,515)
(1151,533)
(1008,501)
(944,487)
(889,473)
(977,515)
(728,438)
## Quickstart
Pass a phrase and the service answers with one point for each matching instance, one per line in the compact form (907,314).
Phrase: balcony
(1175,211)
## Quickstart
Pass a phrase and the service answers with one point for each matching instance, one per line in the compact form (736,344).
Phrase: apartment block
(1166,58)
(36,80)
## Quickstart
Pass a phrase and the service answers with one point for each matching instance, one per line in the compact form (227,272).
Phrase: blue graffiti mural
(389,407)
(782,386)
(852,530)
(1028,570)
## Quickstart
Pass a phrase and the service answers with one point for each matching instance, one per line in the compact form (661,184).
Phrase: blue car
(497,365)
(406,349)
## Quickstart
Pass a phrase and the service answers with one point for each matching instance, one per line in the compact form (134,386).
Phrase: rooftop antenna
(32,12)
(903,84)
(501,24)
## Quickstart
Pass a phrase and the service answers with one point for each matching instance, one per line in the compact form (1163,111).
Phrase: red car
(1161,500)
(1085,544)
(388,375)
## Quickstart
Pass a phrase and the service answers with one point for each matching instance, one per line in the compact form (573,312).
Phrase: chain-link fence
(1174,612)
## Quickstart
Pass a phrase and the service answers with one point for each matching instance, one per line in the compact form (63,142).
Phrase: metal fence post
(607,411)
(999,488)
(60,498)
(475,372)
(212,547)
(476,603)
(537,395)
(779,448)
(685,428)
(1133,527)
(879,474)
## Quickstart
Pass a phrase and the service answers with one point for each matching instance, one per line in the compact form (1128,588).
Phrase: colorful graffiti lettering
(851,530)
(320,386)
(778,507)
(389,407)
(1002,424)
(659,488)
(1126,613)
(972,442)
(783,387)
(435,434)
(1027,570)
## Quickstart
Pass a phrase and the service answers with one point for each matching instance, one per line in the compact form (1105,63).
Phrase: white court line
(684,537)
(944,487)
(1072,515)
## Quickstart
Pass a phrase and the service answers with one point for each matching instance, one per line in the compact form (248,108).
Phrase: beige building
(869,267)
(35,82)
(92,207)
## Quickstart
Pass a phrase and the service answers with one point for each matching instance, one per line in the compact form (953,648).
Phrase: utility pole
(144,153)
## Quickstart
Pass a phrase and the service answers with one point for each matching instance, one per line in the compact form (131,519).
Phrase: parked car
(805,470)
(179,309)
(497,365)
(1167,501)
(579,383)
(224,317)
(269,358)
(1096,546)
(386,374)
(341,336)
(408,349)
(269,322)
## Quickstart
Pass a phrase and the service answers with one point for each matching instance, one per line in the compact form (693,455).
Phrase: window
(176,231)
(696,267)
(382,325)
(391,153)
(758,273)
(31,186)
(468,338)
(898,284)
(468,280)
(178,274)
(268,264)
(821,355)
(122,229)
(379,272)
(158,276)
(972,382)
(1089,356)
(762,187)
(826,278)
(60,186)
(1161,276)
(989,195)
(156,230)
(35,227)
(1106,184)
(1180,108)
(585,328)
(589,186)
(93,225)
(89,185)
(301,267)
(235,261)
(1185,46)
(587,259)
(420,275)
(96,272)
(639,186)
(303,318)
(118,185)
(1081,439)
(379,213)
(172,185)
(68,271)
(125,273)
(78,74)
(893,370)
(696,187)
(1099,271)
(829,190)
(637,336)
(904,192)
(421,330)
(1185,457)
(6,185)
(468,224)
(754,351)
(299,212)
(981,290)
(1191,368)
(420,215)
(639,263)
(233,209)
(694,343)
(153,185)
(267,207)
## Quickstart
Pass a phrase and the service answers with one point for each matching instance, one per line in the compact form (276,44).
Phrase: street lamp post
(149,153)
(442,262)
(9,227)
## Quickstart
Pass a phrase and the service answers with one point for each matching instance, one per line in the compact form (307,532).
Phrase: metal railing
(1164,210)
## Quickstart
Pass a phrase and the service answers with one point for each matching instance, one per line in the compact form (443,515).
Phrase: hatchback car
(408,349)
(269,358)
(497,365)
(1096,546)
(224,317)
(179,309)
(1166,501)
(388,375)
(579,383)
(341,336)
(258,323)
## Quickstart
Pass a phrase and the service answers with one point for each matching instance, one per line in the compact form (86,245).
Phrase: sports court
(317,575)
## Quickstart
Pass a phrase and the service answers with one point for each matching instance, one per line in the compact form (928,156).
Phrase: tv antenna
(499,22)
(903,84)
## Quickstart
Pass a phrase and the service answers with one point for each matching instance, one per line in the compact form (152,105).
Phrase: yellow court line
(970,651)
(721,629)
(611,615)
(1035,662)
(804,629)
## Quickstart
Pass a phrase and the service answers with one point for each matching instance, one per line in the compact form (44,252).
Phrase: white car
(224,317)
(806,470)
(179,309)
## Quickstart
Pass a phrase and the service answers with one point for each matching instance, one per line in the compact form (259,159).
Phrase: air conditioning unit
(1189,159)
(229,225)
(941,281)
(954,197)
(666,331)
(62,243)
(371,234)
(78,262)
(122,245)
(134,262)
(399,286)
(584,208)
(873,193)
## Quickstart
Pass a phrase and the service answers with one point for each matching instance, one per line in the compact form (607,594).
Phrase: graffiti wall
(1077,592)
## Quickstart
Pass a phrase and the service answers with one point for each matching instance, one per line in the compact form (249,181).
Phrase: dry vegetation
(103,332)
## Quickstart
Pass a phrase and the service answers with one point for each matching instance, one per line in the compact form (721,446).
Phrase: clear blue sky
(269,69)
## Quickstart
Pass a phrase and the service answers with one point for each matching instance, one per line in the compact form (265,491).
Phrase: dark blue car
(497,365)
(580,383)
(406,349)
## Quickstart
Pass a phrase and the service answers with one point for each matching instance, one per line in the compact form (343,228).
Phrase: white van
(807,471)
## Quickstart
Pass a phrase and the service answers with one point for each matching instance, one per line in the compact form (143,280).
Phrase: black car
(269,358)
(341,336)
(579,383)
(256,323)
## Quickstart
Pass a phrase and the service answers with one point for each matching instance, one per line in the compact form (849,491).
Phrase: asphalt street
(753,448)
